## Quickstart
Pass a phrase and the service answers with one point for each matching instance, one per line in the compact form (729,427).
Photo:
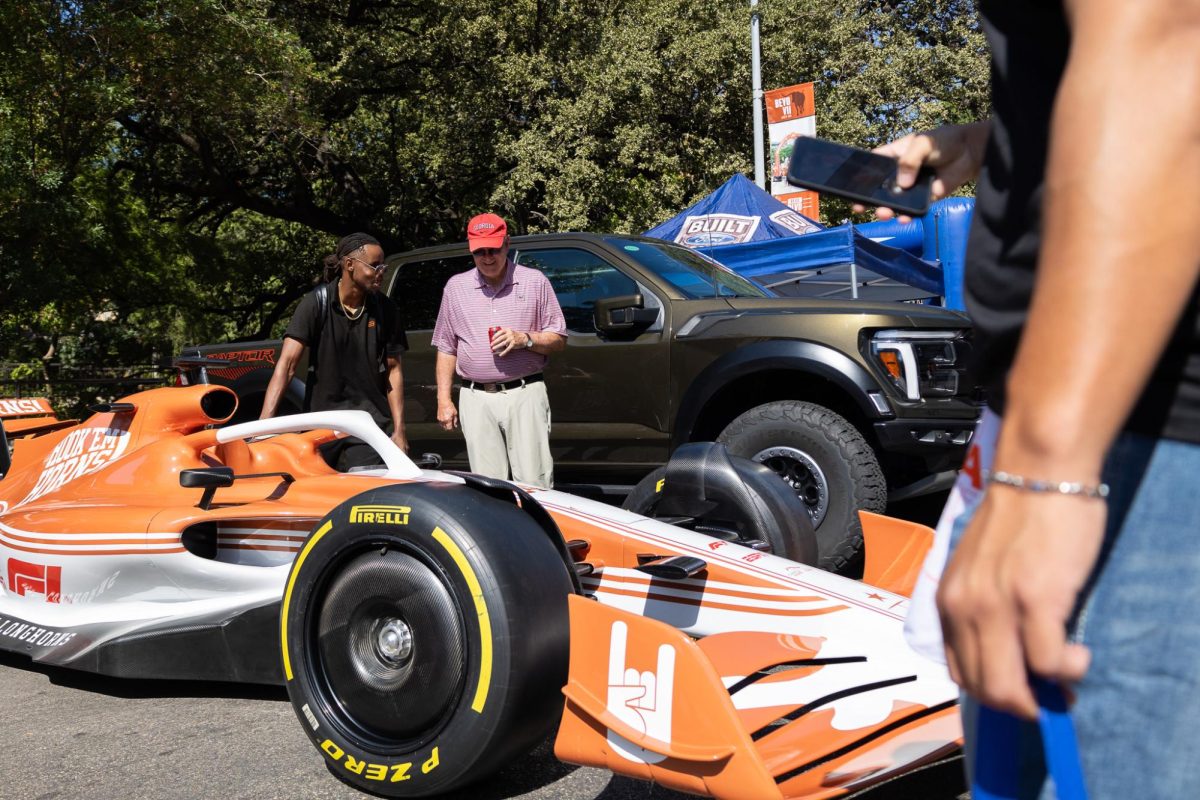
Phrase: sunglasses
(377,267)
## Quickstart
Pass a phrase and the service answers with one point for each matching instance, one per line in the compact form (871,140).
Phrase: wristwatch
(528,342)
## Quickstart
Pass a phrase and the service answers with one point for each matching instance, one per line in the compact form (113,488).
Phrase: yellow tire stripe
(287,595)
(485,622)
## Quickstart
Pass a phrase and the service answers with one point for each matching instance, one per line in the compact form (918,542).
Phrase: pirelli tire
(425,637)
(827,462)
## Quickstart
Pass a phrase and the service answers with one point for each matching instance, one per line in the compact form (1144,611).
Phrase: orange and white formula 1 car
(431,626)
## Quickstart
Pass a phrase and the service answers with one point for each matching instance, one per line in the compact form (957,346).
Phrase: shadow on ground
(139,688)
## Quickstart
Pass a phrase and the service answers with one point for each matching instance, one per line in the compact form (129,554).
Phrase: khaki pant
(508,428)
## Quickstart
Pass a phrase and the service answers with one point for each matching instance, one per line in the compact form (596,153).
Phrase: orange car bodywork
(757,678)
(720,747)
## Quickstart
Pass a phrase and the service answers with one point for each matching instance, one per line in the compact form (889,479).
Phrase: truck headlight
(920,363)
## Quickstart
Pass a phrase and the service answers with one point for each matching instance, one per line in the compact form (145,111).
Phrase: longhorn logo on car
(643,700)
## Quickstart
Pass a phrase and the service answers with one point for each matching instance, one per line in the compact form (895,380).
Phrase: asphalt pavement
(71,735)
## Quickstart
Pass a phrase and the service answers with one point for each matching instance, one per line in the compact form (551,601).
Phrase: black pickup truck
(853,403)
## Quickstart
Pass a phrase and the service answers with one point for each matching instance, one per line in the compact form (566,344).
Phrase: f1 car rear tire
(729,492)
(826,461)
(425,637)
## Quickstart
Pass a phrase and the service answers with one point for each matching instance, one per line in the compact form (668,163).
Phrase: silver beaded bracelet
(1099,491)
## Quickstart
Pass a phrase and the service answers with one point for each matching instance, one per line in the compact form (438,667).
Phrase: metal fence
(72,390)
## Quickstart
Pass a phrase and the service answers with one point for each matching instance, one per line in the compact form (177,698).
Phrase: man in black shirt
(354,339)
(1081,564)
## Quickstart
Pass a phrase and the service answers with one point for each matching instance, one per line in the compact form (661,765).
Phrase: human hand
(954,151)
(447,416)
(506,340)
(400,439)
(1009,590)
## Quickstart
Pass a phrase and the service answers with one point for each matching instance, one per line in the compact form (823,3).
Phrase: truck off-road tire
(825,460)
(425,637)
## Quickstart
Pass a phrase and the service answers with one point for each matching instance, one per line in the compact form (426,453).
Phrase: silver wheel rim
(800,471)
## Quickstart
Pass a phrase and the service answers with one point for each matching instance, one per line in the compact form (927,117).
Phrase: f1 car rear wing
(26,416)
(29,416)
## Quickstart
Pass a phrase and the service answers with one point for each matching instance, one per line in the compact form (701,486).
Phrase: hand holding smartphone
(856,174)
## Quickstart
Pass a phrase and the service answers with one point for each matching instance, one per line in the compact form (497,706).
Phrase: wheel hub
(394,642)
(390,645)
(800,471)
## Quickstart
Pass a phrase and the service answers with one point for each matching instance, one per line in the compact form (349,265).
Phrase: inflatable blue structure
(754,234)
(940,237)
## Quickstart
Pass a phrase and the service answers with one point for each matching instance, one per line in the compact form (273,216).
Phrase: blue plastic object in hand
(997,768)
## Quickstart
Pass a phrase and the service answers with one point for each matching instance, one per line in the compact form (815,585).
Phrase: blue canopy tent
(736,213)
(737,225)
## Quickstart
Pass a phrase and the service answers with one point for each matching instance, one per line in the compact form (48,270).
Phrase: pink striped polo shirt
(524,302)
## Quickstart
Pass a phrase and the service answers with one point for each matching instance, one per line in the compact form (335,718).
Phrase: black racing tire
(781,517)
(425,637)
(642,498)
(826,461)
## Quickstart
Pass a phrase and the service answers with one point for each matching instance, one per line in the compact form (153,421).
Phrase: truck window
(417,289)
(695,275)
(579,279)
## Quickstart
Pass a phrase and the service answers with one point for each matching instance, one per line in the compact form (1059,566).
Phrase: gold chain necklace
(345,310)
(351,316)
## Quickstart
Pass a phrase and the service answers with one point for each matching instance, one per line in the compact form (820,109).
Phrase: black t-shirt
(1029,42)
(348,357)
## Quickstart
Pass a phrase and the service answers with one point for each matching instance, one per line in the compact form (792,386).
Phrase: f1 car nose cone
(394,642)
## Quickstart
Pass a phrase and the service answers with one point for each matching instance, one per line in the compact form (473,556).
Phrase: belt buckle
(491,388)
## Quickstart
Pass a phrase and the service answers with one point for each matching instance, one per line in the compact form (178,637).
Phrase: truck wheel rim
(391,648)
(803,474)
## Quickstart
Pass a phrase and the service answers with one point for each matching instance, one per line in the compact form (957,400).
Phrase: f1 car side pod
(431,626)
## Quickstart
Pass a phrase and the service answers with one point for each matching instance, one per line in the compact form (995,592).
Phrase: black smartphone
(858,175)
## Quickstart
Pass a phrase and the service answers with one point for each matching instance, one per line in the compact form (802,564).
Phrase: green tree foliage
(881,69)
(171,171)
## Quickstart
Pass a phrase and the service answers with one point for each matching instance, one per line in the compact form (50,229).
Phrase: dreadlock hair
(347,245)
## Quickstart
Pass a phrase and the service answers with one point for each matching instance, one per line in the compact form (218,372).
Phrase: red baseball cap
(486,232)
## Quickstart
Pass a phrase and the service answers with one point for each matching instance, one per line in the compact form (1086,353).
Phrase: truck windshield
(694,275)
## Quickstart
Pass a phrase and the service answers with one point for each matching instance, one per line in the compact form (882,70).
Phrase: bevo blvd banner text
(791,113)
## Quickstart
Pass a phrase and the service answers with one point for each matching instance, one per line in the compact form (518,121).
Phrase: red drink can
(492,331)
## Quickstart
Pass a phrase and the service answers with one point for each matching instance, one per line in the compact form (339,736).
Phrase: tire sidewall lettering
(377,772)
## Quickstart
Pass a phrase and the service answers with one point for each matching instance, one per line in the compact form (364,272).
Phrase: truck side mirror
(625,314)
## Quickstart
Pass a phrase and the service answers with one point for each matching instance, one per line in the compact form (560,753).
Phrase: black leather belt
(504,386)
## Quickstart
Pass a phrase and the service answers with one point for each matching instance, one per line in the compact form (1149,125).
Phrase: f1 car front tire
(425,637)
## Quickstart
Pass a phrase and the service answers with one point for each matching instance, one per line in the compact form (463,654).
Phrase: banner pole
(760,172)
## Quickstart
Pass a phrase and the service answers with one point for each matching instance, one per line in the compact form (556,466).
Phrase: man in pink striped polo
(496,326)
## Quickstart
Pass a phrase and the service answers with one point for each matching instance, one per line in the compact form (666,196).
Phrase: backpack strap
(324,303)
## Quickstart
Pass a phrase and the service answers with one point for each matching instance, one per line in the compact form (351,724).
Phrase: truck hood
(911,313)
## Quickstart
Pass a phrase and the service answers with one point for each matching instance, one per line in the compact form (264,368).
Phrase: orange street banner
(791,113)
